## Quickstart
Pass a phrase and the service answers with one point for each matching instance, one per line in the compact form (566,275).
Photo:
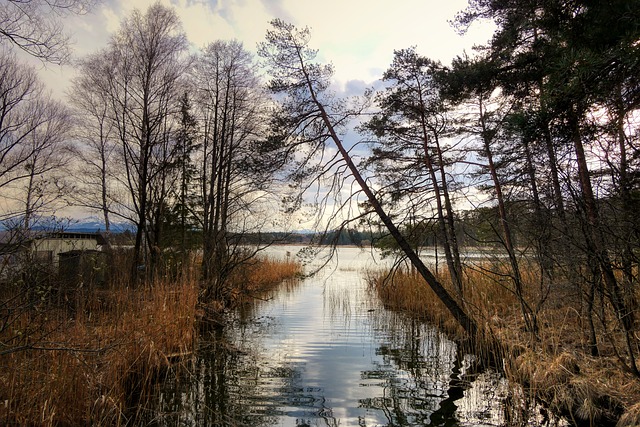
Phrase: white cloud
(112,20)
(357,36)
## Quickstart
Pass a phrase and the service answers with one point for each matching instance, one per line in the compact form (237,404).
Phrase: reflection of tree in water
(218,389)
(426,379)
(240,378)
(226,386)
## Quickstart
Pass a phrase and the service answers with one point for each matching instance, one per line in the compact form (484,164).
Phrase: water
(326,353)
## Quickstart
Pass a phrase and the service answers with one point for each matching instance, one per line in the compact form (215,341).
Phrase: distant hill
(93,226)
(84,225)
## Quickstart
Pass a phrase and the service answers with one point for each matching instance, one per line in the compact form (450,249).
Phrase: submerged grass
(97,361)
(554,366)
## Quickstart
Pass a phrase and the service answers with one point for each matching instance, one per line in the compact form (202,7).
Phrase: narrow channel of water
(326,353)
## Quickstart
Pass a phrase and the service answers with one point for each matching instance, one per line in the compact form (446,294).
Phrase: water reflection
(430,382)
(327,354)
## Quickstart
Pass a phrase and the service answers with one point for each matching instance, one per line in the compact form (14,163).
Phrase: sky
(357,36)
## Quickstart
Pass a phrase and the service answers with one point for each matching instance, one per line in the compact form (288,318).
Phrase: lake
(325,352)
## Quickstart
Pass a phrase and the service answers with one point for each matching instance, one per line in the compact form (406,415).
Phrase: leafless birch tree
(36,27)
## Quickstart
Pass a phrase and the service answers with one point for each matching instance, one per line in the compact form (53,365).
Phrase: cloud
(355,87)
(357,36)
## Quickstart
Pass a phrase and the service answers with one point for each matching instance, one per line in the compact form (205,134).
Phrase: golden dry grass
(555,365)
(95,364)
(261,275)
(90,362)
(267,272)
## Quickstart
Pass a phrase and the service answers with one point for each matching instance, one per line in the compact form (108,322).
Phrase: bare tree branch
(35,26)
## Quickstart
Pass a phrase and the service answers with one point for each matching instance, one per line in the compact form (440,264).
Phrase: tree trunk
(543,237)
(449,242)
(628,211)
(467,323)
(595,240)
(449,217)
(529,316)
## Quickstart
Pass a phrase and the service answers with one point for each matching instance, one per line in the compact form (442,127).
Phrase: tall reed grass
(262,275)
(553,366)
(93,364)
(97,359)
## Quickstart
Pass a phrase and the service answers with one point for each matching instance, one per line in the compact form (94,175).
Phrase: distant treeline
(474,228)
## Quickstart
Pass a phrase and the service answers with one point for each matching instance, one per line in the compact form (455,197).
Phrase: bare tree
(32,129)
(143,67)
(35,26)
(18,86)
(97,139)
(231,106)
(45,184)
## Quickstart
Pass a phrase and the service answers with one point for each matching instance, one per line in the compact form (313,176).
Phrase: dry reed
(553,366)
(97,361)
(261,275)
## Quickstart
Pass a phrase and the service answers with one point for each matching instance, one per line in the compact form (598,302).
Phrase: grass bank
(95,356)
(554,366)
(262,275)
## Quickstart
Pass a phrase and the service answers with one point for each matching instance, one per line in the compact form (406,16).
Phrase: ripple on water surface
(328,354)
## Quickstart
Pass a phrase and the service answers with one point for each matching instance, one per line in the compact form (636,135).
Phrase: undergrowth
(95,356)
(554,365)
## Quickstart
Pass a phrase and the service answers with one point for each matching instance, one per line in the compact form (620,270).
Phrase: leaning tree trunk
(467,323)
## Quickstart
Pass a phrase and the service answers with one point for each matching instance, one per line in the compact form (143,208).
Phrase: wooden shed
(82,267)
(48,246)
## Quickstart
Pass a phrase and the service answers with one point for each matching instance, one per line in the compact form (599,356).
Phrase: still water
(325,352)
